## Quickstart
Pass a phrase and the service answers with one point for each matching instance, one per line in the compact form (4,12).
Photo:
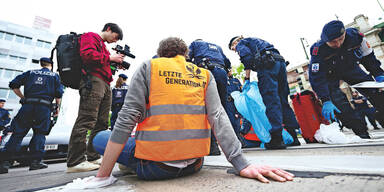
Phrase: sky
(146,22)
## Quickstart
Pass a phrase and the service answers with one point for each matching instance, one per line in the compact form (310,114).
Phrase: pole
(305,51)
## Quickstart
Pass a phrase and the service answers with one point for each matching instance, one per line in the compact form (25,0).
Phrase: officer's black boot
(36,164)
(214,150)
(276,141)
(293,133)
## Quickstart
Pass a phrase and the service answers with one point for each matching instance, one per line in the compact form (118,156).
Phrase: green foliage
(238,71)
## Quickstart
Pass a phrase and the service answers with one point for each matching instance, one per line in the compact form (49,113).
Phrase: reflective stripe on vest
(251,135)
(176,125)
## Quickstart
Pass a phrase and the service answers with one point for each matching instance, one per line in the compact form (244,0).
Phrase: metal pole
(305,51)
(380,5)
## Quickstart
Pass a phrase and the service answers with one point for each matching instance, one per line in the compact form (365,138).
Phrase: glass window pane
(22,59)
(9,36)
(18,73)
(47,45)
(8,74)
(12,95)
(28,41)
(39,43)
(2,34)
(19,39)
(12,57)
(3,93)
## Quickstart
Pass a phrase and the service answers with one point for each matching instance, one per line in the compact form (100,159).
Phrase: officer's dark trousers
(274,90)
(221,79)
(348,116)
(145,169)
(35,116)
(93,115)
(376,98)
(370,114)
(231,112)
(115,111)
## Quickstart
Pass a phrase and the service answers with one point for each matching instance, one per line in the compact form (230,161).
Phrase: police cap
(46,59)
(332,30)
(2,100)
(123,76)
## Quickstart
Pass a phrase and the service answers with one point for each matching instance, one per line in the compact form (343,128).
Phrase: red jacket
(95,56)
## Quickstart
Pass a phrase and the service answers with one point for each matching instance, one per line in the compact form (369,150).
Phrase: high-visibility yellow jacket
(176,125)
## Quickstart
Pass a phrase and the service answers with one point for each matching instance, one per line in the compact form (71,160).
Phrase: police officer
(118,96)
(363,109)
(234,116)
(211,56)
(336,57)
(261,56)
(40,88)
(5,117)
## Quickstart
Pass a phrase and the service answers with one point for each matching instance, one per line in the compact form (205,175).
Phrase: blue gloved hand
(380,78)
(328,110)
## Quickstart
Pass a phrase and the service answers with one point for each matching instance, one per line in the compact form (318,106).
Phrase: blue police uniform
(328,66)
(261,56)
(233,85)
(40,88)
(4,118)
(364,110)
(201,52)
(118,96)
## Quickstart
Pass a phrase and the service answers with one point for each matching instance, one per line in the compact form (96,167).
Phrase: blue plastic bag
(249,104)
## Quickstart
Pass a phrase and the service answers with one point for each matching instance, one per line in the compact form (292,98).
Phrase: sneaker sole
(78,170)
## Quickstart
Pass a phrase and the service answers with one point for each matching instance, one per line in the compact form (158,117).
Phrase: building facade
(21,48)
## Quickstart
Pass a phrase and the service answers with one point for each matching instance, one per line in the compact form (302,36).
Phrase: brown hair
(119,82)
(172,46)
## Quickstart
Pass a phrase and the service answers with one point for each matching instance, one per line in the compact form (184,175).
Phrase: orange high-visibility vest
(251,135)
(176,124)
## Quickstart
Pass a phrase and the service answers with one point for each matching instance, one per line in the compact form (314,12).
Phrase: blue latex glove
(328,110)
(380,78)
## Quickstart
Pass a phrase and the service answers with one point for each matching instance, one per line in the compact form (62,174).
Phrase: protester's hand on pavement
(91,182)
(262,172)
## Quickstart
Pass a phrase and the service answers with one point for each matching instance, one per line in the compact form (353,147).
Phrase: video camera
(126,51)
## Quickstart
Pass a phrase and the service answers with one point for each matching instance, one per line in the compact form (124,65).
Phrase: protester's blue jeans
(145,169)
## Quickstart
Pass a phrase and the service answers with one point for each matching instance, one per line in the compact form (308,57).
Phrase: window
(18,73)
(8,74)
(19,39)
(9,36)
(12,57)
(22,60)
(2,34)
(39,43)
(28,41)
(3,93)
(47,45)
(12,95)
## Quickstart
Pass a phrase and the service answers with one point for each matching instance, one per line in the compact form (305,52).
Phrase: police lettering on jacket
(42,84)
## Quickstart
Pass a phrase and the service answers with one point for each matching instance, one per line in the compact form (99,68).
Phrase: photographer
(95,97)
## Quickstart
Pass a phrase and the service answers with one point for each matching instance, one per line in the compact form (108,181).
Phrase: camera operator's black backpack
(70,65)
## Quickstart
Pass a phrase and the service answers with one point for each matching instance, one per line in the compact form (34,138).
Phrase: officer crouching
(40,88)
